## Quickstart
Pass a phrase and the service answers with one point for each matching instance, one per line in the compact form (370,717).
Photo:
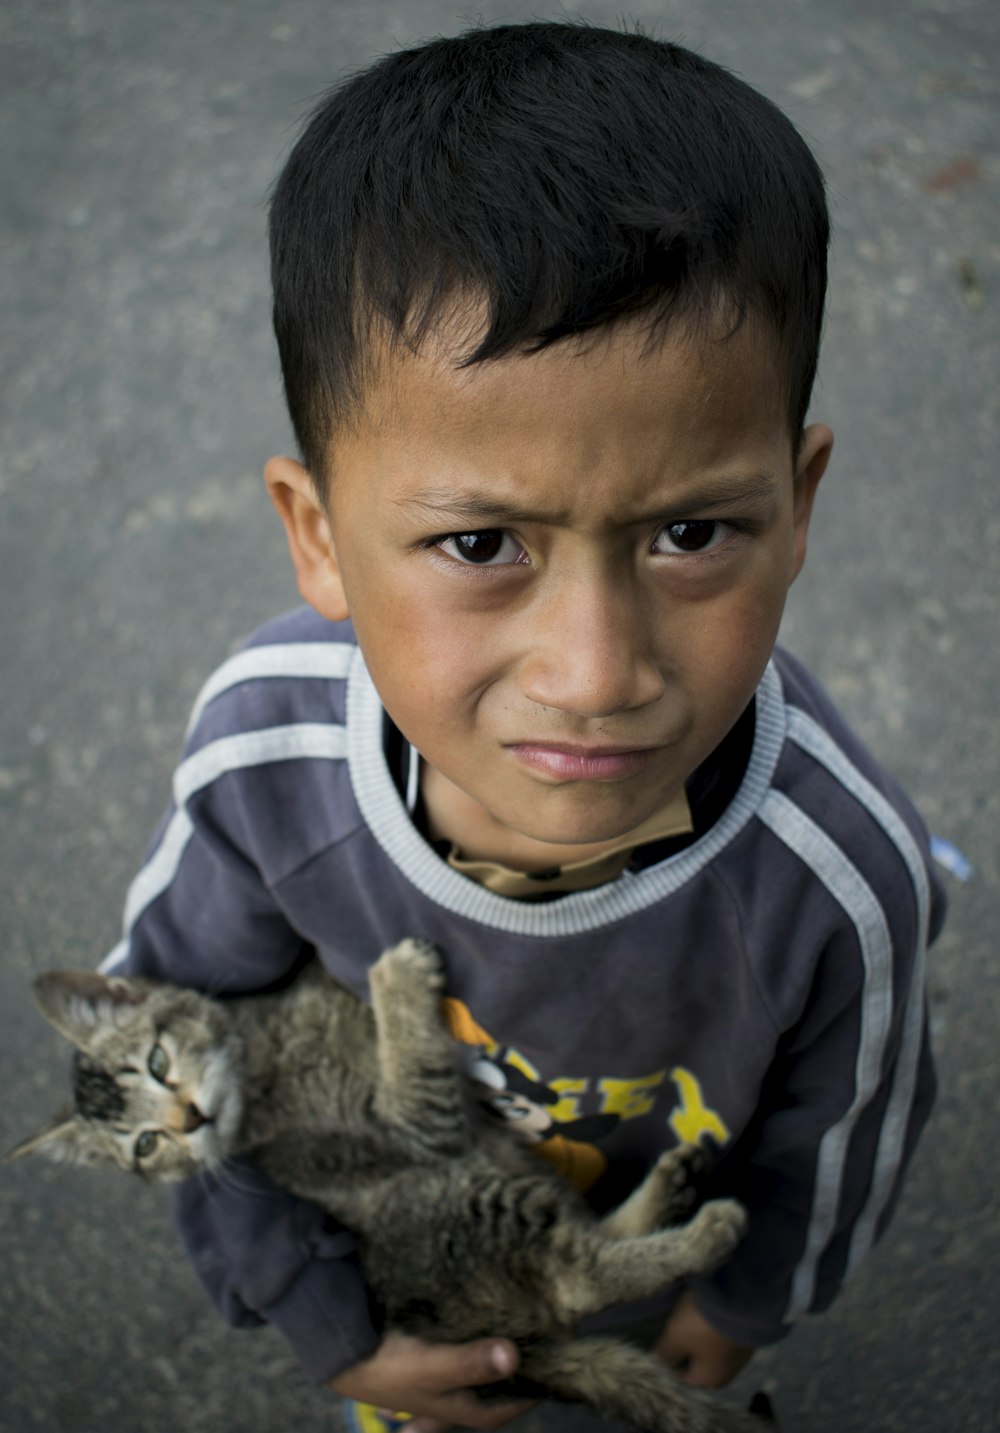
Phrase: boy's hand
(700,1356)
(435,1382)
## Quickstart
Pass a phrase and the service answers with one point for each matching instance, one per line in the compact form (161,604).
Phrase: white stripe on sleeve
(811,737)
(849,888)
(305,740)
(323,660)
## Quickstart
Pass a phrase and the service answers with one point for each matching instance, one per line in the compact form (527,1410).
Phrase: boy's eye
(158,1064)
(145,1145)
(697,536)
(490,547)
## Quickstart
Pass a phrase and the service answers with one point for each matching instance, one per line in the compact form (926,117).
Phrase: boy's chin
(578,828)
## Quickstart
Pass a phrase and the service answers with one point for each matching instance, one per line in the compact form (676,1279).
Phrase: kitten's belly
(462,1250)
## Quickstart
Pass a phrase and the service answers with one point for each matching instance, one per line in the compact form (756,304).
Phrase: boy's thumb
(490,1359)
(444,1367)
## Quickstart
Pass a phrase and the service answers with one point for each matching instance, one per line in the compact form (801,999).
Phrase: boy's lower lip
(565,764)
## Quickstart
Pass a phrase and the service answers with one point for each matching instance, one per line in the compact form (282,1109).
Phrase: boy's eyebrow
(748,490)
(474,507)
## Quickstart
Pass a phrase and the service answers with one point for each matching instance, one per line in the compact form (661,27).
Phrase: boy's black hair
(564,174)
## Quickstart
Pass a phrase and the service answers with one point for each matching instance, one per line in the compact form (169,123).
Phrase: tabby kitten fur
(462,1232)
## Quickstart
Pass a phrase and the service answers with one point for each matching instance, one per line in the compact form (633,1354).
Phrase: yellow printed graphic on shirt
(369,1419)
(562,1117)
(463,1027)
(692,1118)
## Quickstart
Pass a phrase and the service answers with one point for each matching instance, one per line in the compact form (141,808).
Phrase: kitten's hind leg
(666,1196)
(617,1270)
(419,1088)
(622,1381)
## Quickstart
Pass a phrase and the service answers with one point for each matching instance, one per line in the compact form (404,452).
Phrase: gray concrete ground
(141,395)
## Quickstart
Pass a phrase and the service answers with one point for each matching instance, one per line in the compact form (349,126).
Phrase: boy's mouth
(569,761)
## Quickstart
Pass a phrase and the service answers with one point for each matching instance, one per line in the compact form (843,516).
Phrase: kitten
(461,1231)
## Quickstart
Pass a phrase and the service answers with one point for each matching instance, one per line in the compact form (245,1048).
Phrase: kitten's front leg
(419,1088)
(666,1196)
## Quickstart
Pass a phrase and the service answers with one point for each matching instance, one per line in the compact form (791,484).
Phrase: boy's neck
(452,816)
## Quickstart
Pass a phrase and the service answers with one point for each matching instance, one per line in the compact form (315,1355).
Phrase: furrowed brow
(743,490)
(476,509)
(747,491)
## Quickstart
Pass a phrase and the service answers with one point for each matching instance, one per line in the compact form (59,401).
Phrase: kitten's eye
(146,1144)
(158,1064)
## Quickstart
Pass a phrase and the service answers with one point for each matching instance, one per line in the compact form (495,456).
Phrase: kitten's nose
(193,1118)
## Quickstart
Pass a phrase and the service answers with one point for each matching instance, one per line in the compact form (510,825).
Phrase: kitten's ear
(68,1141)
(77,1002)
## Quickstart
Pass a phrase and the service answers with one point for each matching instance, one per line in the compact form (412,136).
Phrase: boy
(548,301)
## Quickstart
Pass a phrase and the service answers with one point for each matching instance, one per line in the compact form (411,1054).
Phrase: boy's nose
(588,653)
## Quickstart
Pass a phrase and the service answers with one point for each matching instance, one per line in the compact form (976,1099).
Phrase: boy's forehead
(724,358)
(616,384)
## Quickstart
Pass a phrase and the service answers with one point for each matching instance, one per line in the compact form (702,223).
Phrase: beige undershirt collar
(674,819)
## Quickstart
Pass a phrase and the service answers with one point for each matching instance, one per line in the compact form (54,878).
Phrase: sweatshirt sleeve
(821,1167)
(808,1197)
(200,913)
(265,1257)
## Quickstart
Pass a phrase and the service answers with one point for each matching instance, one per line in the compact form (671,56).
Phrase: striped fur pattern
(462,1231)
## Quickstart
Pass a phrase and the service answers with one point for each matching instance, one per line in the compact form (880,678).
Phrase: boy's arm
(821,1167)
(200,913)
(239,1236)
(264,1256)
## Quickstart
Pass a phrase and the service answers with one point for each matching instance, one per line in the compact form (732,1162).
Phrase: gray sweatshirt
(761,986)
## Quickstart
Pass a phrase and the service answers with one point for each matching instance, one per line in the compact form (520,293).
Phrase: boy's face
(566,570)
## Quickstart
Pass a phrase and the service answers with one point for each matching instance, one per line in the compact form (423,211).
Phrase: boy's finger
(672,1350)
(451,1372)
(468,1365)
(468,1411)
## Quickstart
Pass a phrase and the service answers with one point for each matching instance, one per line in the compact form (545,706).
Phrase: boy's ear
(814,454)
(310,540)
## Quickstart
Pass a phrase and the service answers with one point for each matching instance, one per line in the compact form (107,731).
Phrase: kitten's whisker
(204,1178)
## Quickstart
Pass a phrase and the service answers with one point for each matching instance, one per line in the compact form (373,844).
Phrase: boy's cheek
(402,621)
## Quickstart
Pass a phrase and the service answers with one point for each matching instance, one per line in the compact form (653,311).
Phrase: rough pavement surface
(141,396)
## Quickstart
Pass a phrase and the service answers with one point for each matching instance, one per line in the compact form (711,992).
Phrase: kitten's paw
(686,1164)
(680,1170)
(718,1227)
(416,963)
(677,1179)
